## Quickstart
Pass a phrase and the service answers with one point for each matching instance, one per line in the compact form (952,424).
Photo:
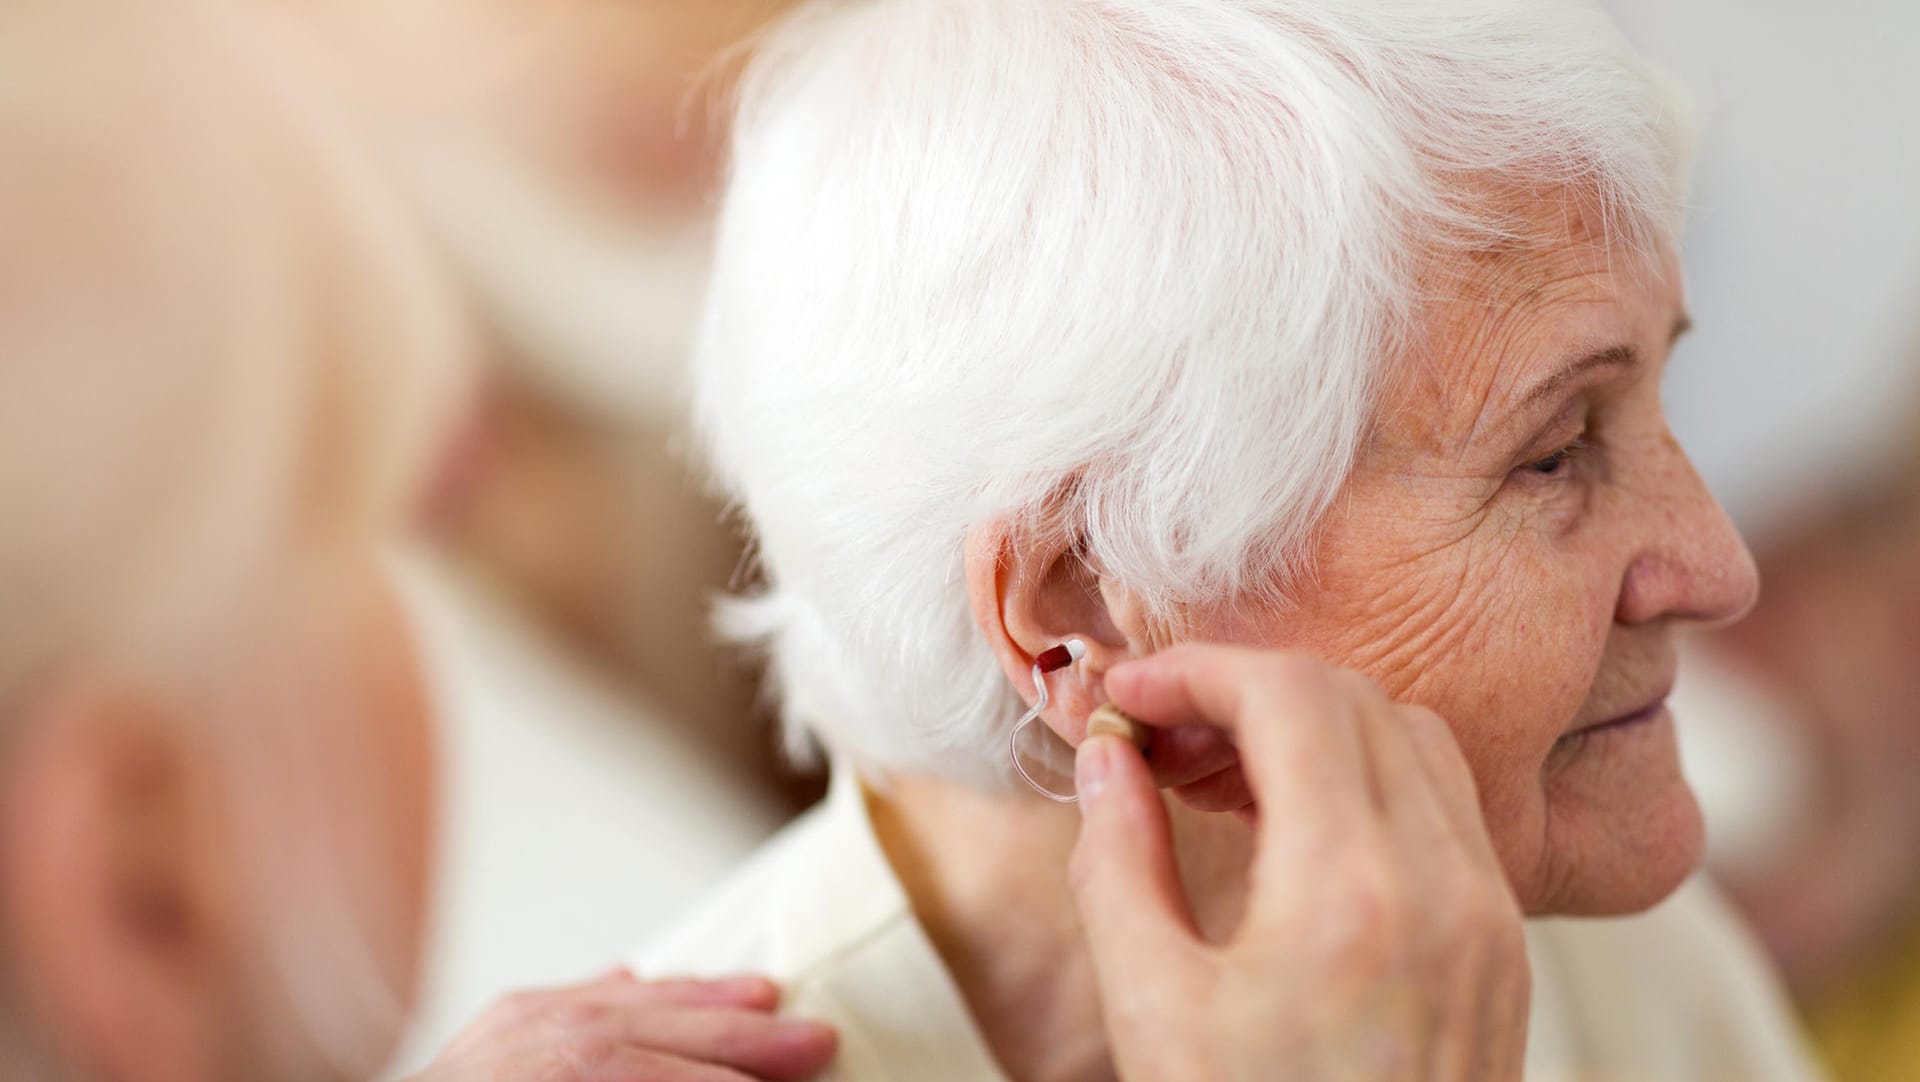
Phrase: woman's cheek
(1530,668)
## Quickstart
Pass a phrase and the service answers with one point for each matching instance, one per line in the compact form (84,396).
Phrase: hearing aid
(1106,720)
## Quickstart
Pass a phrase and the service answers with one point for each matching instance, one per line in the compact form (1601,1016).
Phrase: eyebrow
(1620,356)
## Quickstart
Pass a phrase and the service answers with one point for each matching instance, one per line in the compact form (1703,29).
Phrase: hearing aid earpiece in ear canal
(1107,720)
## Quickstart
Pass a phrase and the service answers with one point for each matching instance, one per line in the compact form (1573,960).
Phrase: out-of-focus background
(606,764)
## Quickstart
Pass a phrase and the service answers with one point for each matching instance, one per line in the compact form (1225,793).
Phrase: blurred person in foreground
(1300,361)
(226,368)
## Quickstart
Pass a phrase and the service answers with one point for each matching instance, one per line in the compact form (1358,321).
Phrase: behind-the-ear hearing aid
(1108,719)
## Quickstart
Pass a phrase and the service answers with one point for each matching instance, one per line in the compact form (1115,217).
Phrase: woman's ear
(1033,589)
(105,886)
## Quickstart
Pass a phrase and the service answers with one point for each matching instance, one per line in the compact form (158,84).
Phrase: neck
(986,873)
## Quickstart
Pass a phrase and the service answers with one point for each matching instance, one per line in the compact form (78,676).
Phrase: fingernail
(1092,766)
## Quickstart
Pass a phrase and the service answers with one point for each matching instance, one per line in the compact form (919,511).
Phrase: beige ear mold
(1110,720)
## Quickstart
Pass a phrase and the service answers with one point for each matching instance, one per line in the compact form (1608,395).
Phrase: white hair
(1129,269)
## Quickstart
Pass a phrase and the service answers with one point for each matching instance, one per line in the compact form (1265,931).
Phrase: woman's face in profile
(1515,549)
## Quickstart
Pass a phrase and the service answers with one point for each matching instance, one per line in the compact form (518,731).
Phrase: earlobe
(102,910)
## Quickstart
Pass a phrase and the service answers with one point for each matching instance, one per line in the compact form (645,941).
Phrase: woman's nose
(1692,564)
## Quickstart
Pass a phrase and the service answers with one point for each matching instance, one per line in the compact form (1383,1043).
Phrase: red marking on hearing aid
(1059,657)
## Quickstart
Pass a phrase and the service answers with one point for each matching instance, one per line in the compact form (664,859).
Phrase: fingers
(1451,779)
(623,990)
(1188,754)
(619,1027)
(1226,791)
(746,993)
(630,1064)
(1123,875)
(1337,769)
(1300,752)
(1401,789)
(761,1045)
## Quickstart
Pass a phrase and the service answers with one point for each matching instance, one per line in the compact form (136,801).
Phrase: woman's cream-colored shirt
(1677,994)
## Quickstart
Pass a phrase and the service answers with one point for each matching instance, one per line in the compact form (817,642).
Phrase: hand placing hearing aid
(1109,720)
(1105,720)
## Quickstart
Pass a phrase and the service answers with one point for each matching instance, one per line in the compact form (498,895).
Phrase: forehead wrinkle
(1615,356)
(1479,344)
(1486,302)
(1514,331)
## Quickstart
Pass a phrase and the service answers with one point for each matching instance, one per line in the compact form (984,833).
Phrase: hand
(1380,940)
(618,1029)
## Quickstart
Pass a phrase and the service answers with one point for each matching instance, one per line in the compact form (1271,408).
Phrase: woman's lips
(1646,713)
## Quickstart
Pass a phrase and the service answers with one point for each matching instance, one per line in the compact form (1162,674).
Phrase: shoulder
(815,892)
(734,929)
(1681,991)
(819,911)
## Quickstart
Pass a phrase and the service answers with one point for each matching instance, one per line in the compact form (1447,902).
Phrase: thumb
(1125,883)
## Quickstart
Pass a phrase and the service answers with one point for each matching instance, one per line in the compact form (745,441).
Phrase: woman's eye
(1558,461)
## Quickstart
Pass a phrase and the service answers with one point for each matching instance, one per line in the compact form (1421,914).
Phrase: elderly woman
(1332,329)
(225,363)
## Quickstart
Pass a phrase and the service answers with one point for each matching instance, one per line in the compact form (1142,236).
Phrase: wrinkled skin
(1519,565)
